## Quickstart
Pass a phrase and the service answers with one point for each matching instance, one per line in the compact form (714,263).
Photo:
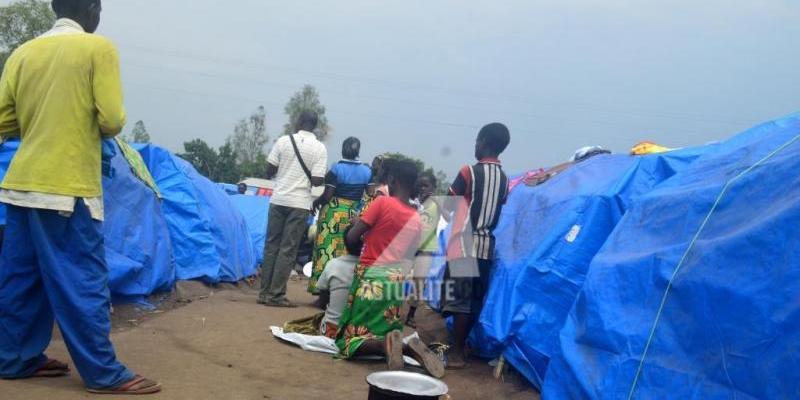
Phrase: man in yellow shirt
(60,94)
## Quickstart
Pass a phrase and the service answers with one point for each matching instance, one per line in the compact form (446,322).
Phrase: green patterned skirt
(334,220)
(373,308)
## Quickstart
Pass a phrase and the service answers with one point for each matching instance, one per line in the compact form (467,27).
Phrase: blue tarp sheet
(255,210)
(138,246)
(137,242)
(697,287)
(546,238)
(7,151)
(210,238)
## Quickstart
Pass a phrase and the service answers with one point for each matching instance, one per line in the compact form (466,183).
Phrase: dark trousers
(53,268)
(285,231)
(466,282)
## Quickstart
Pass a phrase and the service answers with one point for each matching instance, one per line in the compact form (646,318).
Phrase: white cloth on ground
(323,344)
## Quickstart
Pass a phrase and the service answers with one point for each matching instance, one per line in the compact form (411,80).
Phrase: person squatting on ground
(297,162)
(338,206)
(61,94)
(334,287)
(390,231)
(483,188)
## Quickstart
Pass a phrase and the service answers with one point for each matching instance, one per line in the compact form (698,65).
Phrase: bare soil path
(219,347)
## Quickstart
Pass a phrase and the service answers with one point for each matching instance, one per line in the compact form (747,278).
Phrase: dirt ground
(216,344)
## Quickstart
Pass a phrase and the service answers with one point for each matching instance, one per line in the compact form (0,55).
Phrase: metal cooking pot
(400,385)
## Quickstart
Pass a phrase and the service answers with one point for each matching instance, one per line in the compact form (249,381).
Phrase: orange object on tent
(644,148)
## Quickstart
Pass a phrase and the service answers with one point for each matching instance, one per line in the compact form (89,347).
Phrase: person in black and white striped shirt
(483,188)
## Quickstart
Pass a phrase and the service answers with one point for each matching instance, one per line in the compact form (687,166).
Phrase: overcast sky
(421,76)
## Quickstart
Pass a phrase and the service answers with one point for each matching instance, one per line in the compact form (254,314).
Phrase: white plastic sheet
(323,344)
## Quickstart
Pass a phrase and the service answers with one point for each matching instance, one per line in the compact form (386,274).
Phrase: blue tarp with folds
(137,242)
(7,151)
(210,238)
(255,210)
(138,246)
(695,293)
(546,238)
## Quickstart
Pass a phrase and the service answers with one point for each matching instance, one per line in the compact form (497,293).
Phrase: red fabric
(470,183)
(462,186)
(394,234)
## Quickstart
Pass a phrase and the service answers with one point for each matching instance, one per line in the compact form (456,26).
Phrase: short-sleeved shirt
(394,234)
(484,187)
(349,179)
(292,186)
(430,216)
(337,279)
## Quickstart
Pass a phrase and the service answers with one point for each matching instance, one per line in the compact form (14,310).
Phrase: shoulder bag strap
(300,158)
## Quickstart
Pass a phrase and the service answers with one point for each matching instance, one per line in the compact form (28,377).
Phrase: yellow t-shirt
(61,95)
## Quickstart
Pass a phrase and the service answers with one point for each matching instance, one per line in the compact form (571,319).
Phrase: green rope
(686,254)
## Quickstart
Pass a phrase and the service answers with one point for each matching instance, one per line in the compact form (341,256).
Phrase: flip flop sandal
(425,356)
(394,351)
(137,386)
(51,369)
(456,363)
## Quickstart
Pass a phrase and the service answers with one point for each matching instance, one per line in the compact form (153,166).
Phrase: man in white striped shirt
(297,162)
(484,187)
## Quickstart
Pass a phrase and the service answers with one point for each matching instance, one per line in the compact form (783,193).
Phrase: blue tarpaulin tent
(210,238)
(255,210)
(695,293)
(137,242)
(546,238)
(138,246)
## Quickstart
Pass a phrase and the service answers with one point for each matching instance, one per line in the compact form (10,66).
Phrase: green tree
(202,157)
(138,134)
(441,177)
(242,156)
(442,183)
(306,99)
(249,137)
(22,21)
(255,169)
(227,169)
(402,157)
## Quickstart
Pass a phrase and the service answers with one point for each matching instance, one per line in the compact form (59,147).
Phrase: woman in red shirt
(390,232)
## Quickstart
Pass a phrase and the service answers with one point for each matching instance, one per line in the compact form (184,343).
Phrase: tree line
(244,153)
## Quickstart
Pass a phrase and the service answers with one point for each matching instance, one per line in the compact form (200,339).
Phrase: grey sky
(421,76)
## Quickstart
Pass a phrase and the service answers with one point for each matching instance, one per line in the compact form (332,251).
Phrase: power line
(370,97)
(406,85)
(251,100)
